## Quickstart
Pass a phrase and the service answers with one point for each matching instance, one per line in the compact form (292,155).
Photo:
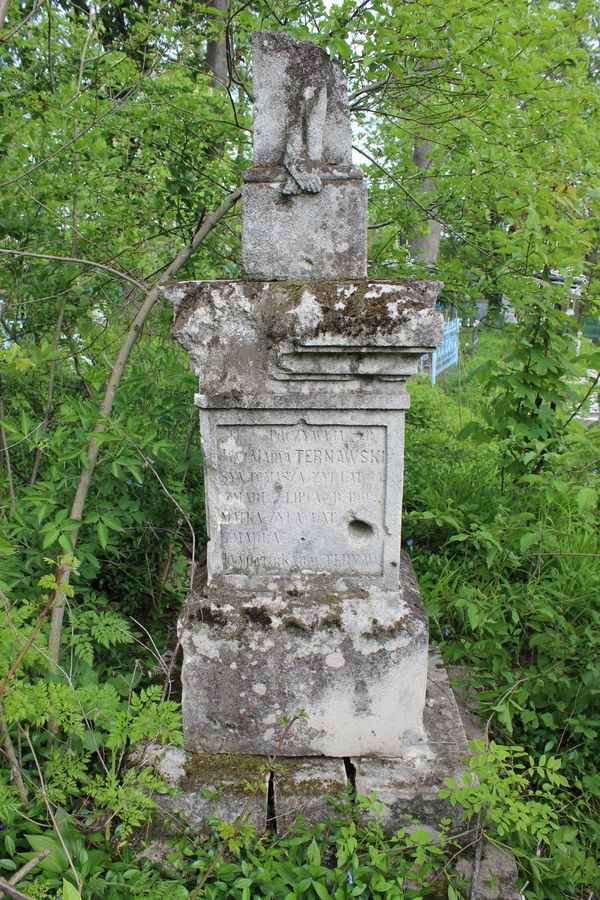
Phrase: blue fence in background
(445,356)
(590,329)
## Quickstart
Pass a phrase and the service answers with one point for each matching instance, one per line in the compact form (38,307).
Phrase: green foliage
(517,794)
(127,798)
(131,530)
(105,628)
(512,577)
(532,392)
(97,718)
(521,800)
(350,855)
(115,144)
(347,856)
(9,799)
(505,543)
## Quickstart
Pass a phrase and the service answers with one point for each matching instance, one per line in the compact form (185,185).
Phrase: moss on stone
(258,615)
(210,771)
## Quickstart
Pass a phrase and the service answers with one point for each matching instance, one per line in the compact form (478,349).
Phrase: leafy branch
(106,406)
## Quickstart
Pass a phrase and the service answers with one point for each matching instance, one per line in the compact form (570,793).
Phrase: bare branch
(8,891)
(26,869)
(4,9)
(19,659)
(80,262)
(4,450)
(13,762)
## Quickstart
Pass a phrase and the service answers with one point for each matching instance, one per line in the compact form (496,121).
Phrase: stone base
(228,786)
(225,786)
(307,787)
(220,785)
(355,661)
(320,235)
(409,787)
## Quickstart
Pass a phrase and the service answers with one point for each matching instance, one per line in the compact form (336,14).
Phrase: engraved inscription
(302,498)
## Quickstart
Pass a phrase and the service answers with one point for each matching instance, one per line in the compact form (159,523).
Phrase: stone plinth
(355,661)
(308,788)
(309,236)
(306,602)
(224,786)
(407,787)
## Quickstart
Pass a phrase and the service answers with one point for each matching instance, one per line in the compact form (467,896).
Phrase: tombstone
(307,602)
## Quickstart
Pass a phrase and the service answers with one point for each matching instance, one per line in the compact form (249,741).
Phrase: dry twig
(31,864)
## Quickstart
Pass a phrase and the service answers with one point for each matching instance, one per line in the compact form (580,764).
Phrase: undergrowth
(509,568)
(501,523)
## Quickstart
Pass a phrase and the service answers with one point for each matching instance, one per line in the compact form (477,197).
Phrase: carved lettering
(293,492)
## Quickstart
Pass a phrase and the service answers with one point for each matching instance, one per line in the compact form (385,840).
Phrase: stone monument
(307,601)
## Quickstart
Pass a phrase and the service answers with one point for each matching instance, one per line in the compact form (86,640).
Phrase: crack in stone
(271,823)
(350,777)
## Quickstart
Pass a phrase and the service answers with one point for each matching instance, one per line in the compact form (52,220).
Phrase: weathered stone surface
(263,345)
(304,203)
(302,497)
(356,661)
(294,494)
(303,448)
(409,785)
(300,97)
(406,786)
(306,786)
(302,429)
(310,236)
(224,786)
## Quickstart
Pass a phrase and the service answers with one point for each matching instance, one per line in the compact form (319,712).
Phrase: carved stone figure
(304,139)
(304,202)
(301,111)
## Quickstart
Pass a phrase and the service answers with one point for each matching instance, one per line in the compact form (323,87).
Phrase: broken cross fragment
(304,203)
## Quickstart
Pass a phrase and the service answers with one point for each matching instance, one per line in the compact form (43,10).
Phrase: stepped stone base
(221,784)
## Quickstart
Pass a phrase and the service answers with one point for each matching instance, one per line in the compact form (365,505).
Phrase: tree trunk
(425,247)
(4,4)
(216,50)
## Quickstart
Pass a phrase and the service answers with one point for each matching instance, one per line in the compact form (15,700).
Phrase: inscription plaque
(302,497)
